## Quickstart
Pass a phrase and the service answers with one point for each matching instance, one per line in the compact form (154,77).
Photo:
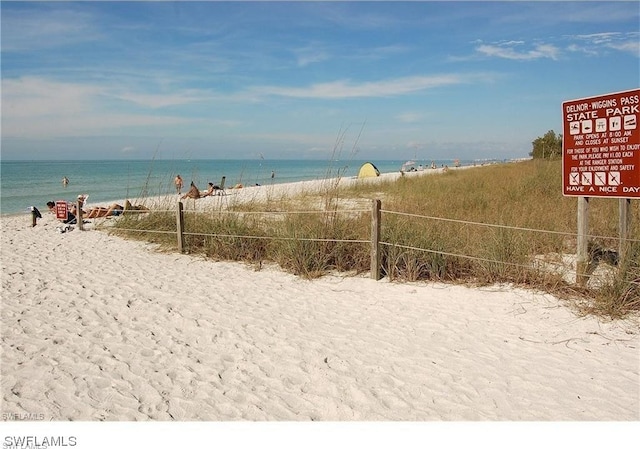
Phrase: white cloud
(23,30)
(37,97)
(597,38)
(156,101)
(508,50)
(37,107)
(349,89)
(83,125)
(29,97)
(311,58)
(595,43)
(630,46)
(311,54)
(582,49)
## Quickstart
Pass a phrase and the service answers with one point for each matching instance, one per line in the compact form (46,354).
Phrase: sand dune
(95,327)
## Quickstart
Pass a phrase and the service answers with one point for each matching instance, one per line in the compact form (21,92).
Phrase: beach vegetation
(548,146)
(504,223)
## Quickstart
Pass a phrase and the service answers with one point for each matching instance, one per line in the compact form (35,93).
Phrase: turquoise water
(33,183)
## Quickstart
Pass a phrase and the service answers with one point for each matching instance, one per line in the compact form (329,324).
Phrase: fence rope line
(151,231)
(266,237)
(444,253)
(285,212)
(239,212)
(536,263)
(481,259)
(491,225)
(450,220)
(394,245)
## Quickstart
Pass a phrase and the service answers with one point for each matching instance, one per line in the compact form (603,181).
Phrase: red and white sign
(601,146)
(62,210)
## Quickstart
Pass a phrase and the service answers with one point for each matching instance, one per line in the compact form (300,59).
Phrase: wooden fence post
(376,258)
(180,226)
(624,227)
(79,219)
(582,263)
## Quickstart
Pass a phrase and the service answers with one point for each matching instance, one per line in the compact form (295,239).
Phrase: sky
(303,80)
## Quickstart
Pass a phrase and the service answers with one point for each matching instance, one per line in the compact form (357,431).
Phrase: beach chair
(220,190)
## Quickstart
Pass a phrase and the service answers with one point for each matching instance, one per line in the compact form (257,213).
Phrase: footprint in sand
(146,352)
(337,364)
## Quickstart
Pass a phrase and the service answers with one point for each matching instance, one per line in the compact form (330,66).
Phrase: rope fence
(270,237)
(375,239)
(498,226)
(444,253)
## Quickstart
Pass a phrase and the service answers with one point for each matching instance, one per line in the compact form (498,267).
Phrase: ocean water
(33,183)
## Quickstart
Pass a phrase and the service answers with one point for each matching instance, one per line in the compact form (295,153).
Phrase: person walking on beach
(178,183)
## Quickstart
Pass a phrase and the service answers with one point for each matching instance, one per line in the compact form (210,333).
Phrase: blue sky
(375,80)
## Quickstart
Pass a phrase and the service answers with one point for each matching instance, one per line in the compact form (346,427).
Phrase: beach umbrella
(407,166)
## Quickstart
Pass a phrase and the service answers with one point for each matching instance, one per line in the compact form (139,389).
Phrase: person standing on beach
(178,183)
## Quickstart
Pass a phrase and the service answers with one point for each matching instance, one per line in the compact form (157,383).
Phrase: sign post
(624,225)
(601,157)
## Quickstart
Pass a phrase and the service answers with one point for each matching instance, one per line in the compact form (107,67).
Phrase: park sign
(62,210)
(601,146)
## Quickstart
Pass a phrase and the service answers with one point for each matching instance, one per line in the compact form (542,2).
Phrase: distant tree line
(548,146)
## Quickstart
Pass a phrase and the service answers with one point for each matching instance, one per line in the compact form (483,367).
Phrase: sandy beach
(98,328)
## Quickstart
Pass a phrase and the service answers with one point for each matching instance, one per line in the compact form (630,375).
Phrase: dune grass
(499,223)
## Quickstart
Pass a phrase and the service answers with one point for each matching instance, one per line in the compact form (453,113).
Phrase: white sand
(95,327)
